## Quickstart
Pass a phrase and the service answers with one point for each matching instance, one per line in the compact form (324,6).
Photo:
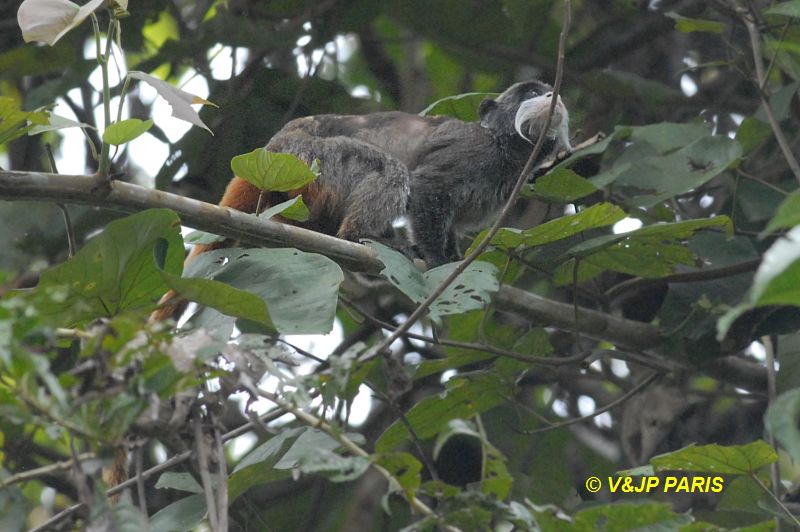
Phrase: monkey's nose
(548,95)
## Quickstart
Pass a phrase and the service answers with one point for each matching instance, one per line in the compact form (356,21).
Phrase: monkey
(445,175)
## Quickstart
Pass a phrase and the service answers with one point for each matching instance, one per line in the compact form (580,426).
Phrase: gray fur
(446,175)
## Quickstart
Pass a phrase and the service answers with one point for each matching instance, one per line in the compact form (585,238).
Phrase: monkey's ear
(488,111)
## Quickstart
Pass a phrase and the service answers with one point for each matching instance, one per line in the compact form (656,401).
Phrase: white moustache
(534,113)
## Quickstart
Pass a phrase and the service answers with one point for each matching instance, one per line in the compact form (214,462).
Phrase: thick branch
(36,186)
(230,223)
(620,331)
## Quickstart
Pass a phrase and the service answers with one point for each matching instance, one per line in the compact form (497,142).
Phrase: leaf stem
(102,60)
(775,498)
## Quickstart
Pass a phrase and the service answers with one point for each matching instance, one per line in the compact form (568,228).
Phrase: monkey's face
(531,115)
(524,106)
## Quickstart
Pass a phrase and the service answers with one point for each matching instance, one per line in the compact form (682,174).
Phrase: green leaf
(15,123)
(776,282)
(182,515)
(666,137)
(115,270)
(472,289)
(663,177)
(226,299)
(463,106)
(278,172)
(300,289)
(463,399)
(258,467)
(717,459)
(336,468)
(125,131)
(600,215)
(562,185)
(309,443)
(620,133)
(178,481)
(403,467)
(782,419)
(630,516)
(652,251)
(201,237)
(788,214)
(497,480)
(689,25)
(752,133)
(790,9)
(293,209)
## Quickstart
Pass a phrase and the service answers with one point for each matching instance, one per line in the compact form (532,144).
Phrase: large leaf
(653,177)
(220,296)
(115,270)
(668,136)
(279,172)
(717,459)
(472,289)
(300,289)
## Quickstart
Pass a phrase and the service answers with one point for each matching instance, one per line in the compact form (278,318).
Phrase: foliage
(629,314)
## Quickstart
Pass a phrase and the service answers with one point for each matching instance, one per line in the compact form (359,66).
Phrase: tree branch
(230,223)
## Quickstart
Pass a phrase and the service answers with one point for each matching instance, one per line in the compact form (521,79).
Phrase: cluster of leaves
(84,373)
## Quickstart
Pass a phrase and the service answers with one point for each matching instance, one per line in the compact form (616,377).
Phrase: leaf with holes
(300,289)
(471,290)
(717,459)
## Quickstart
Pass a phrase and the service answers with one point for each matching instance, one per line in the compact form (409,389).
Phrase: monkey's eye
(532,93)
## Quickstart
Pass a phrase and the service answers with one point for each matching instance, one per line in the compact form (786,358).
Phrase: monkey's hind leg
(378,198)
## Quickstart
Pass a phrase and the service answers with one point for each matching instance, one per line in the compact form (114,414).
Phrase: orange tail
(239,195)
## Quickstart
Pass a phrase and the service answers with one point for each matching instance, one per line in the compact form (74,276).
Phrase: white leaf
(179,100)
(48,20)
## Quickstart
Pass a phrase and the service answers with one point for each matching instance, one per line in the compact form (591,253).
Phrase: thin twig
(67,221)
(158,468)
(352,448)
(706,274)
(552,361)
(43,471)
(621,399)
(776,499)
(205,476)
(140,481)
(769,360)
(761,84)
(222,477)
